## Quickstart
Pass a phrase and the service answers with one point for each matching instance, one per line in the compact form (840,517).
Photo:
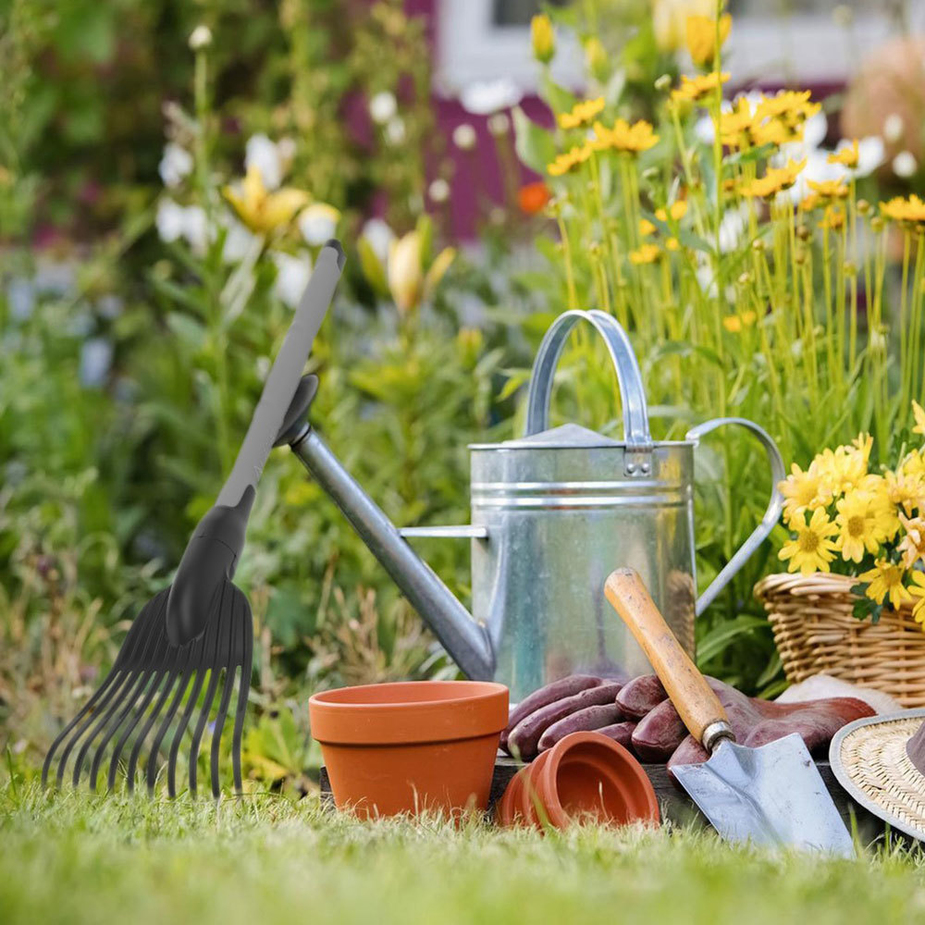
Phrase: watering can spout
(469,644)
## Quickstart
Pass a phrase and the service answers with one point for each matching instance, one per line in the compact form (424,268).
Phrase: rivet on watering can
(630,468)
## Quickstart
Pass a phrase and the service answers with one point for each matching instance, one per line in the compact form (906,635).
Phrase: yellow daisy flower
(886,583)
(695,88)
(863,525)
(701,37)
(735,124)
(904,210)
(675,212)
(833,218)
(582,113)
(648,253)
(774,132)
(569,161)
(812,549)
(918,590)
(919,413)
(792,106)
(734,324)
(829,189)
(847,156)
(632,139)
(912,545)
(646,228)
(906,491)
(802,491)
(774,180)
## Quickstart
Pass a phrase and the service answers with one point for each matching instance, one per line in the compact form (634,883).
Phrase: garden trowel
(771,795)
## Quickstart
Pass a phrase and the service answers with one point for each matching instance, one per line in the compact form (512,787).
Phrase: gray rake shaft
(148,669)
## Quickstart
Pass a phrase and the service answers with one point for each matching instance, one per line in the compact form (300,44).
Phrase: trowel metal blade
(770,795)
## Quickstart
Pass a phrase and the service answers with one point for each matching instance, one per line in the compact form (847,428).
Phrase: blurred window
(774,41)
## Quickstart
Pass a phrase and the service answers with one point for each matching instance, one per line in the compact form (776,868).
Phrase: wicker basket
(816,633)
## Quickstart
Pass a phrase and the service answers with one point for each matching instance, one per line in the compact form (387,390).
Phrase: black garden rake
(196,636)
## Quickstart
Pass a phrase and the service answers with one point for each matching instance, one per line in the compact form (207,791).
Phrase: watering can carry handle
(635,416)
(771,514)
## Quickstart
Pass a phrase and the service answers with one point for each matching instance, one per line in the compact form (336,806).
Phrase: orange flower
(532,197)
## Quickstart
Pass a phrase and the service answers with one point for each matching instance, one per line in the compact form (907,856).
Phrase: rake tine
(200,728)
(178,734)
(157,677)
(244,684)
(217,729)
(75,738)
(125,697)
(152,719)
(165,725)
(87,707)
(130,704)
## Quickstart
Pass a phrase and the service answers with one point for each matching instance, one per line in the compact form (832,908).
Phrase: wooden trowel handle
(693,698)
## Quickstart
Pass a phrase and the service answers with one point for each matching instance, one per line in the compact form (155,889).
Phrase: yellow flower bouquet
(843,516)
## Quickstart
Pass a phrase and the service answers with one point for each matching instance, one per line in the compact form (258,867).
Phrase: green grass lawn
(75,858)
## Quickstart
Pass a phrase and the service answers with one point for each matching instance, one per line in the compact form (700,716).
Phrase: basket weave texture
(816,633)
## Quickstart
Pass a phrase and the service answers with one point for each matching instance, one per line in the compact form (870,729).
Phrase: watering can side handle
(771,514)
(635,415)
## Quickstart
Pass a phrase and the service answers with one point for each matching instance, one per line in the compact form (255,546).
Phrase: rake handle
(694,699)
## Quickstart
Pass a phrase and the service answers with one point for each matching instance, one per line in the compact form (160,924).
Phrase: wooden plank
(677,807)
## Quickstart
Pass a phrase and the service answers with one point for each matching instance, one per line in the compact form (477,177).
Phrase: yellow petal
(438,269)
(281,207)
(253,189)
(241,206)
(405,274)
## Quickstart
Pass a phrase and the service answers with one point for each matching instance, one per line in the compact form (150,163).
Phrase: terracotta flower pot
(586,774)
(409,746)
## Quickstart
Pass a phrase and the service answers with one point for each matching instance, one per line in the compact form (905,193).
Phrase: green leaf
(190,332)
(535,146)
(372,268)
(558,98)
(720,638)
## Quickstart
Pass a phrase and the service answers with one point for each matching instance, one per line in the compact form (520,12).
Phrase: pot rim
(626,770)
(438,711)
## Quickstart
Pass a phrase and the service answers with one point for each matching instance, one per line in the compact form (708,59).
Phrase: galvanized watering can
(553,513)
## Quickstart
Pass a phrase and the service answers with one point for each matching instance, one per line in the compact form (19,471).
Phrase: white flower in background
(383,107)
(439,190)
(464,137)
(264,154)
(318,223)
(292,276)
(395,131)
(170,220)
(379,236)
(175,222)
(20,295)
(200,37)
(196,229)
(904,164)
(893,127)
(485,98)
(176,164)
(732,228)
(95,362)
(238,242)
(871,154)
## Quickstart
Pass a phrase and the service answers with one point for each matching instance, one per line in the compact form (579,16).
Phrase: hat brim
(868,758)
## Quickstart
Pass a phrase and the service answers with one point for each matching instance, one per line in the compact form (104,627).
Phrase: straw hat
(870,760)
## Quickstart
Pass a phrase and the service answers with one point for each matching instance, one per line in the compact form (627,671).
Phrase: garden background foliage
(147,265)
